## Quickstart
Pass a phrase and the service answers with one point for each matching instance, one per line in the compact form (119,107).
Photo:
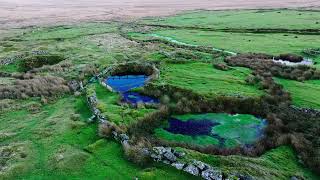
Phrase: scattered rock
(159,150)
(123,137)
(211,174)
(170,156)
(178,165)
(192,170)
(199,164)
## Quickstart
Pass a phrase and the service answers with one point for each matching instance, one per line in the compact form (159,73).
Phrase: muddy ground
(18,13)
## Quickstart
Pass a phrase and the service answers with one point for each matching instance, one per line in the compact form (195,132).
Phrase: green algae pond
(221,129)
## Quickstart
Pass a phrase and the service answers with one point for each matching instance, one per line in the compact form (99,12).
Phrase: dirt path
(17,13)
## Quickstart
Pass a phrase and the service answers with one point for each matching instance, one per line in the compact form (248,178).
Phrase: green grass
(304,94)
(287,19)
(244,42)
(236,130)
(67,32)
(279,163)
(60,148)
(202,78)
(120,115)
(57,147)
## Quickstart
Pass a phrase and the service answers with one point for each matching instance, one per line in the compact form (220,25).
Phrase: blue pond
(191,127)
(124,84)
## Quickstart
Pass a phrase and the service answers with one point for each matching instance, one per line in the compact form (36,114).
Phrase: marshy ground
(44,133)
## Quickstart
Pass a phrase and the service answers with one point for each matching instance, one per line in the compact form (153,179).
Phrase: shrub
(138,153)
(221,66)
(290,57)
(105,130)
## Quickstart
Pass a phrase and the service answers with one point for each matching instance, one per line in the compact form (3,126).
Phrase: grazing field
(271,43)
(202,78)
(51,85)
(243,19)
(304,94)
(53,144)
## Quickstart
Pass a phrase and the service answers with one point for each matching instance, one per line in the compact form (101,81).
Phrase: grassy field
(53,141)
(279,163)
(55,147)
(245,42)
(236,130)
(206,80)
(304,94)
(276,19)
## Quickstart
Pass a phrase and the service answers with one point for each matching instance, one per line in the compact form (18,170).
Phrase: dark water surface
(127,82)
(124,84)
(191,127)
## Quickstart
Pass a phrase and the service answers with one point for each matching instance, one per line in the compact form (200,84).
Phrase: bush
(290,57)
(138,153)
(221,66)
(105,130)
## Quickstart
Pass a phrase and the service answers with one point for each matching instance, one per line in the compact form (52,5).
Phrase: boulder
(178,165)
(200,165)
(74,85)
(159,150)
(170,156)
(191,169)
(156,157)
(211,174)
(123,137)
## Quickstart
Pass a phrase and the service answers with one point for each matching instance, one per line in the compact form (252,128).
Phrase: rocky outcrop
(75,85)
(191,169)
(10,60)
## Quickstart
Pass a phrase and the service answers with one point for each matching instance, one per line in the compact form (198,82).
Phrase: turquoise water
(225,129)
